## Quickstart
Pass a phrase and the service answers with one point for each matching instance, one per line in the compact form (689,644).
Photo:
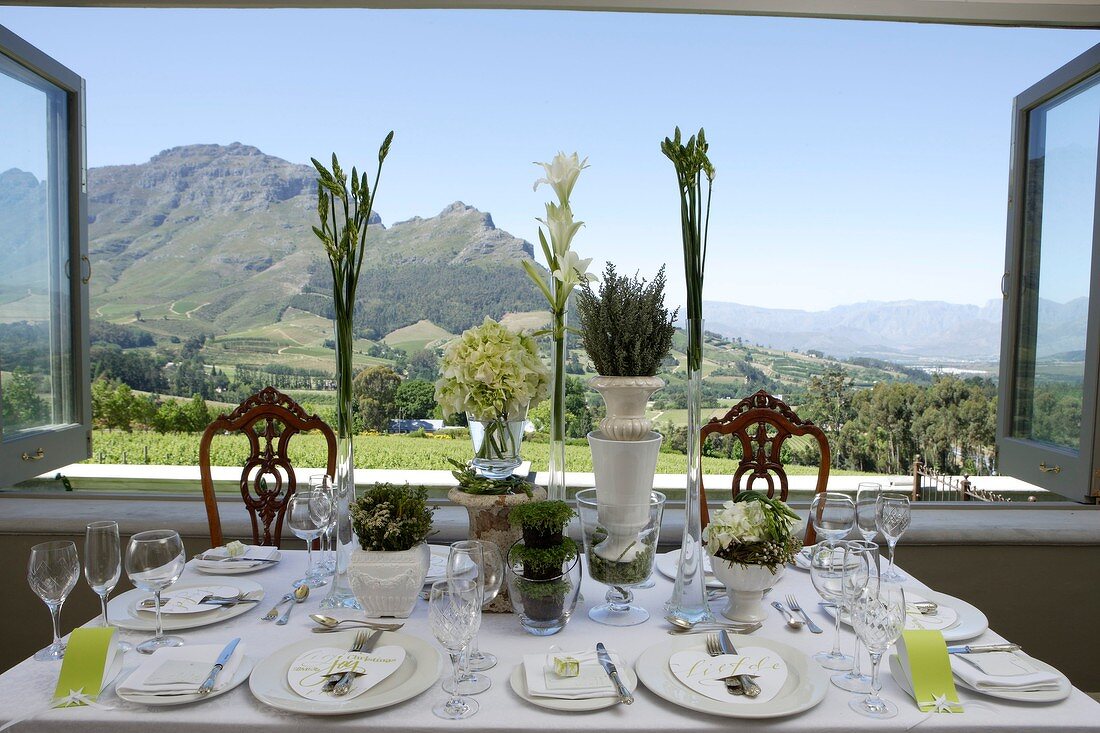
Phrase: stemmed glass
(308,514)
(830,566)
(482,563)
(52,571)
(892,515)
(878,617)
(866,509)
(103,565)
(833,515)
(865,553)
(322,483)
(154,561)
(454,614)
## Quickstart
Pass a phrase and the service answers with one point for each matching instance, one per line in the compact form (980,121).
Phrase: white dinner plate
(901,676)
(806,685)
(668,565)
(172,604)
(419,671)
(122,608)
(519,686)
(233,568)
(243,670)
(971,621)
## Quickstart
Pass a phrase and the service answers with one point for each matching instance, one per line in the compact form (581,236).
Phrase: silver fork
(360,640)
(270,615)
(733,686)
(343,687)
(793,603)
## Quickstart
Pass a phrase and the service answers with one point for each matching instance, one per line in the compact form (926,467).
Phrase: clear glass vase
(555,486)
(497,443)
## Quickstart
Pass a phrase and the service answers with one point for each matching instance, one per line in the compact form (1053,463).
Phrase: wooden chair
(761,424)
(269,419)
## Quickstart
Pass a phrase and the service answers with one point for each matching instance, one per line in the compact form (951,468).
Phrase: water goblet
(308,513)
(866,554)
(482,563)
(154,561)
(892,515)
(830,566)
(103,565)
(52,571)
(878,617)
(454,615)
(322,483)
(867,494)
(833,515)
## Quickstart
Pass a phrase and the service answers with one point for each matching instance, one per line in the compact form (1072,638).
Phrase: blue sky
(856,161)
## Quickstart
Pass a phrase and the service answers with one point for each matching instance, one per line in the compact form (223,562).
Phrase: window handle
(85,278)
(38,455)
(1004,285)
(1049,469)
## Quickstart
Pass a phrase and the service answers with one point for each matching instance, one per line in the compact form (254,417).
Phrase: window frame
(1069,473)
(45,450)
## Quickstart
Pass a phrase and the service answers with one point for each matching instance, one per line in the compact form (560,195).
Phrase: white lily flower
(561,174)
(573,269)
(559,220)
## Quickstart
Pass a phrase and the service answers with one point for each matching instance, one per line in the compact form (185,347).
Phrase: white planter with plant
(388,568)
(750,540)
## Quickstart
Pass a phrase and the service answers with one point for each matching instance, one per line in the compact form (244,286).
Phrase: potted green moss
(545,577)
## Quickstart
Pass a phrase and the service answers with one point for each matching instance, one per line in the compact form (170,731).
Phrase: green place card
(924,654)
(88,656)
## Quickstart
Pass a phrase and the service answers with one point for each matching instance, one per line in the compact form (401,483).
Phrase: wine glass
(454,614)
(322,483)
(308,514)
(482,563)
(865,553)
(154,561)
(892,515)
(830,565)
(52,571)
(103,565)
(866,512)
(833,515)
(878,617)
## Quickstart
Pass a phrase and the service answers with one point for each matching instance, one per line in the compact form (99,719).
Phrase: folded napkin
(1002,671)
(180,670)
(212,559)
(592,681)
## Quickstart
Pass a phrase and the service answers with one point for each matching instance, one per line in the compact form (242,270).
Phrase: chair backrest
(269,419)
(762,423)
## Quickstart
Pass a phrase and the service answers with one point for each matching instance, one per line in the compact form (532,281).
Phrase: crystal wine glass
(482,563)
(865,554)
(308,514)
(52,571)
(892,515)
(830,566)
(103,565)
(454,614)
(322,483)
(833,515)
(154,561)
(878,617)
(866,512)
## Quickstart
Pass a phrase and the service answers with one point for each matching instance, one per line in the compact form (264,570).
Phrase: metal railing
(931,485)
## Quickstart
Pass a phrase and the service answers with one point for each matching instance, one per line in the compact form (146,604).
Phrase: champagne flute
(52,571)
(892,515)
(830,564)
(866,509)
(454,614)
(322,483)
(833,515)
(103,565)
(308,514)
(154,561)
(866,554)
(878,617)
(482,563)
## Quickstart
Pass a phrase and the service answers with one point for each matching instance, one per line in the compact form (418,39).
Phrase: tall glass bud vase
(340,594)
(555,487)
(689,594)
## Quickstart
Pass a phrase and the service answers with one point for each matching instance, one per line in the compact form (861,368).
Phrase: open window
(45,420)
(1047,433)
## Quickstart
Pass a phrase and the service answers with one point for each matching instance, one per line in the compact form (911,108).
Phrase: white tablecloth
(28,686)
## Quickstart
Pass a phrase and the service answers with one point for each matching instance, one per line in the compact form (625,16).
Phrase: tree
(23,407)
(415,399)
(113,405)
(829,404)
(374,390)
(424,364)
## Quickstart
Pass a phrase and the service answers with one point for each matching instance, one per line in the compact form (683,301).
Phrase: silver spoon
(794,623)
(331,623)
(300,594)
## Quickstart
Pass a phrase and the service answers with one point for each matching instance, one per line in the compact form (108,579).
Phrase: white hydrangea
(739,522)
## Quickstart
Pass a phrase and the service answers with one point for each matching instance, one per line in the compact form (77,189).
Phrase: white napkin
(252,552)
(173,671)
(592,682)
(1002,671)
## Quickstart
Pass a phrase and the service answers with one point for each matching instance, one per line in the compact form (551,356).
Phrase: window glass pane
(1059,199)
(35,327)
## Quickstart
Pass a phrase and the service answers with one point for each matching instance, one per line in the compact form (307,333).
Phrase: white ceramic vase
(626,399)
(388,583)
(745,586)
(624,484)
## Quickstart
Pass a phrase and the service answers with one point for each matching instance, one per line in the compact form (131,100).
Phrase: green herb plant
(392,518)
(471,482)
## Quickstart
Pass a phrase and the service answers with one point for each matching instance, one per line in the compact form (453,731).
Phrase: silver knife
(608,666)
(343,686)
(979,648)
(219,666)
(748,685)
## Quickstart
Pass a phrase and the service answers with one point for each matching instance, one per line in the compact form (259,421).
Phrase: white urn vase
(626,399)
(624,484)
(745,587)
(387,583)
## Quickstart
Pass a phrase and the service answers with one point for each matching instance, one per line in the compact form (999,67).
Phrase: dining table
(27,688)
